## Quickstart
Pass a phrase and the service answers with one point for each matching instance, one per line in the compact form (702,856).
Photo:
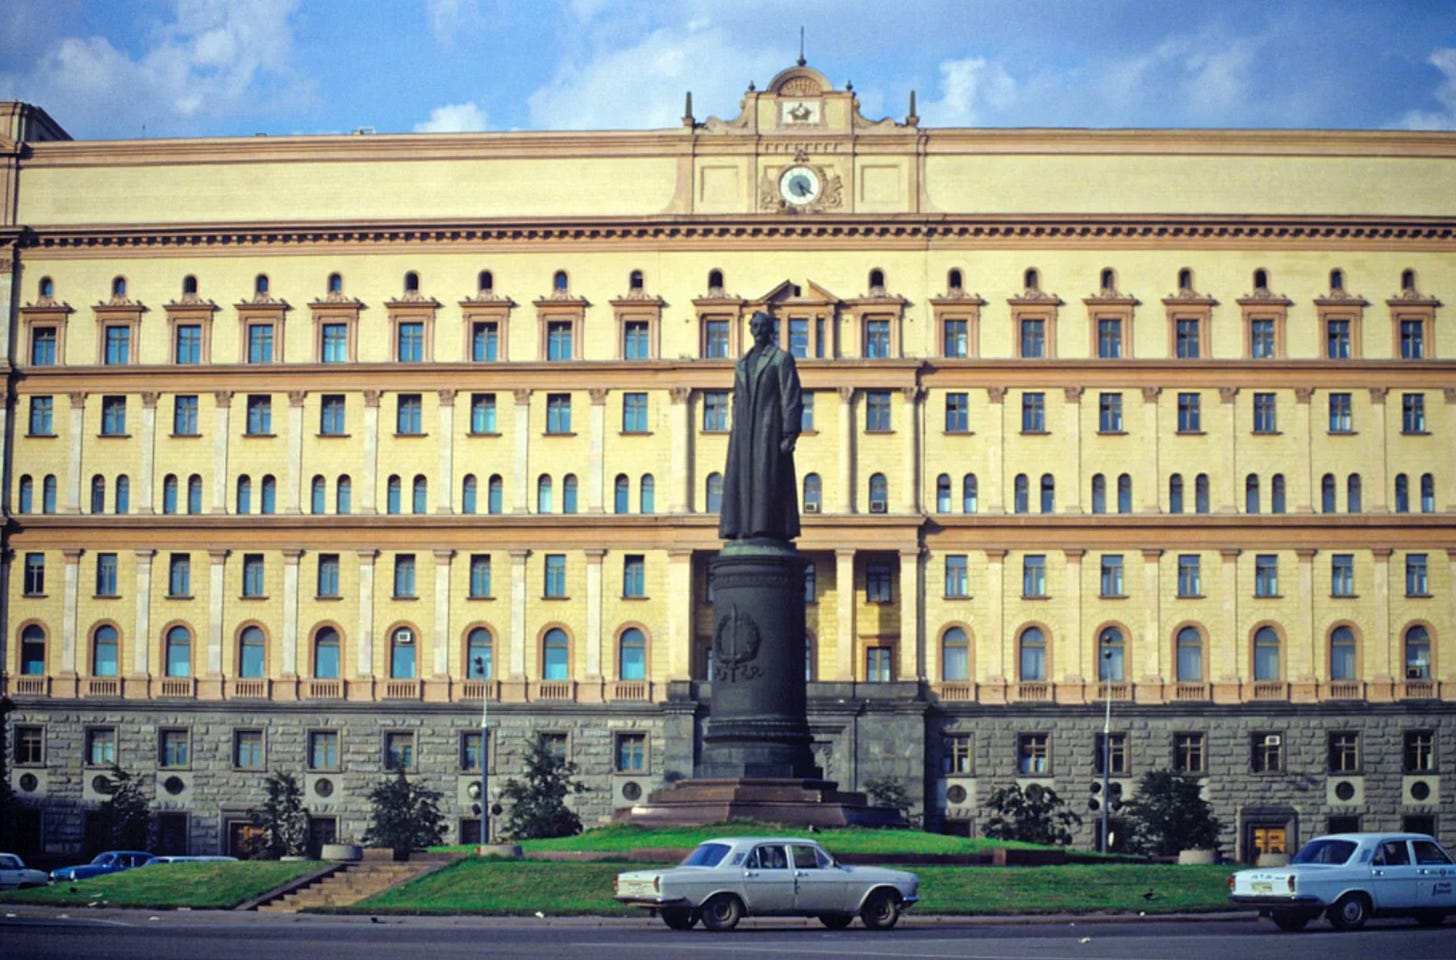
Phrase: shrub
(283,821)
(538,805)
(405,815)
(1169,814)
(126,816)
(1037,815)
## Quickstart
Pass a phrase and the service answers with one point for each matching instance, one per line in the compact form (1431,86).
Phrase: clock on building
(800,185)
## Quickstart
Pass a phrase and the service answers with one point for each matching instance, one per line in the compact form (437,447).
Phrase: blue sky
(172,68)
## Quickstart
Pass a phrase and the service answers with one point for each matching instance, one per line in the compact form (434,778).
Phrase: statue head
(762,327)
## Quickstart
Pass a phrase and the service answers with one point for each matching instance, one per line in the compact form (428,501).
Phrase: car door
(820,886)
(9,871)
(1392,876)
(768,881)
(1435,876)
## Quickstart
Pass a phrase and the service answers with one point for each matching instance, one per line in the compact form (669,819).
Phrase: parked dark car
(112,861)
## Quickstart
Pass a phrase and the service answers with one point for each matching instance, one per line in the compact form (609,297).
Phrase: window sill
(555,599)
(1415,433)
(113,436)
(959,433)
(333,436)
(105,596)
(1268,433)
(41,436)
(185,436)
(1268,596)
(1344,596)
(1112,596)
(638,598)
(1419,596)
(178,596)
(558,433)
(256,598)
(714,431)
(1191,433)
(1112,433)
(1192,596)
(635,433)
(1036,596)
(484,433)
(34,596)
(1036,433)
(399,597)
(329,597)
(260,436)
(956,596)
(880,431)
(410,436)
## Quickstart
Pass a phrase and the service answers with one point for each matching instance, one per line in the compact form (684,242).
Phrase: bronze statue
(760,493)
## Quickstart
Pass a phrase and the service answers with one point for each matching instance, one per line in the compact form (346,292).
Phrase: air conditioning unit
(29,784)
(323,788)
(1272,740)
(878,506)
(174,785)
(958,797)
(1345,791)
(811,508)
(404,635)
(1420,790)
(628,789)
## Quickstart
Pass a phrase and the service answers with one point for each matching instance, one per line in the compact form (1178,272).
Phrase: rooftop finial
(802,61)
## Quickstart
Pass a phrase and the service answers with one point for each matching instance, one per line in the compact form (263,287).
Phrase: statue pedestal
(798,802)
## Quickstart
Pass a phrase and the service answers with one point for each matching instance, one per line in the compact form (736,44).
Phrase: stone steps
(353,883)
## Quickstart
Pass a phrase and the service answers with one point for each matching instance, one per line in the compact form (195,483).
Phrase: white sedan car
(1351,877)
(14,873)
(733,877)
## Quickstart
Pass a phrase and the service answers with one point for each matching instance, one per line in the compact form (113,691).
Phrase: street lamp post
(1106,741)
(484,751)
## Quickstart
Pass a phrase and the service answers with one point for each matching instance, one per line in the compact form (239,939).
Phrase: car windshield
(1325,851)
(102,858)
(707,855)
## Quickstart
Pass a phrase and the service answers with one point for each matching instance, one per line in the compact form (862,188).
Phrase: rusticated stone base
(798,802)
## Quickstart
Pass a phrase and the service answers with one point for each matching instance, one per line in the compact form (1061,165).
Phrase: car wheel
(1350,912)
(881,909)
(722,912)
(679,918)
(1291,922)
(836,921)
(1431,918)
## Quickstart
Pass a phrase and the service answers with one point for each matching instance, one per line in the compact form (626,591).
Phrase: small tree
(1036,815)
(126,816)
(405,815)
(1169,814)
(538,805)
(283,821)
(888,792)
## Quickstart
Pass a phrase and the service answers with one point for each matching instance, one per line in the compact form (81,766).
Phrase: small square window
(1034,754)
(877,583)
(323,750)
(631,753)
(1190,753)
(248,749)
(399,750)
(1266,752)
(101,746)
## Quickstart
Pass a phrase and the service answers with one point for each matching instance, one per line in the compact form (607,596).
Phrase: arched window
(244,503)
(634,281)
(543,493)
(1342,655)
(632,655)
(169,494)
(714,493)
(33,651)
(46,288)
(1185,280)
(1276,493)
(877,280)
(479,654)
(1031,279)
(647,495)
(98,494)
(942,493)
(104,651)
(1107,280)
(1200,493)
(1033,657)
(1352,493)
(954,281)
(621,494)
(485,282)
(1407,280)
(326,654)
(715,281)
(970,494)
(268,501)
(1261,279)
(1337,280)
(260,284)
(252,654)
(336,284)
(559,282)
(1417,653)
(1020,496)
(118,286)
(392,492)
(555,655)
(1266,654)
(411,282)
(1402,493)
(1099,493)
(1428,493)
(1048,493)
(402,654)
(178,657)
(1327,493)
(468,494)
(420,495)
(1251,493)
(1111,656)
(813,493)
(194,494)
(1124,493)
(343,496)
(1190,655)
(955,655)
(27,494)
(568,493)
(879,493)
(493,493)
(1175,493)
(318,494)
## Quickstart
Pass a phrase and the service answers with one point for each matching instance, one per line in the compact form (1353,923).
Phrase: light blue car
(112,861)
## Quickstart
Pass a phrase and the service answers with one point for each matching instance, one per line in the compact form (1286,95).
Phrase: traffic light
(1094,802)
(1114,797)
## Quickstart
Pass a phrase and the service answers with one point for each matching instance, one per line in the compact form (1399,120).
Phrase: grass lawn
(202,885)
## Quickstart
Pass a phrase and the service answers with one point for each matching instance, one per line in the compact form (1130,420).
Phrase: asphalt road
(128,935)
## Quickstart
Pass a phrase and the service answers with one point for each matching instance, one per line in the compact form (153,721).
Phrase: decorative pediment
(789,293)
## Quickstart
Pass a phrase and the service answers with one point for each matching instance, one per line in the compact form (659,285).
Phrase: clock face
(799,185)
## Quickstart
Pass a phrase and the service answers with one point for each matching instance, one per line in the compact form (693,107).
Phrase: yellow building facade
(314,442)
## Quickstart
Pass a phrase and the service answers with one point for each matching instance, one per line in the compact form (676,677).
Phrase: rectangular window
(328,575)
(1412,339)
(556,746)
(248,749)
(1417,583)
(173,748)
(631,753)
(260,415)
(409,415)
(1344,752)
(956,754)
(106,575)
(1340,417)
(100,746)
(715,339)
(1111,752)
(179,575)
(1109,338)
(253,575)
(399,750)
(1261,338)
(184,415)
(323,750)
(484,341)
(1033,413)
(1112,585)
(957,342)
(1186,335)
(411,343)
(879,664)
(1034,754)
(877,411)
(260,343)
(479,575)
(1342,575)
(634,413)
(1109,413)
(1033,338)
(877,339)
(404,576)
(43,346)
(1413,413)
(1190,580)
(1190,753)
(113,416)
(1265,420)
(634,576)
(332,409)
(42,417)
(558,340)
(334,343)
(957,413)
(1033,575)
(635,342)
(957,581)
(1266,575)
(118,344)
(470,751)
(555,575)
(189,343)
(877,583)
(1266,752)
(482,413)
(35,574)
(1190,413)
(1337,339)
(1420,751)
(715,411)
(810,594)
(806,419)
(799,337)
(29,746)
(558,413)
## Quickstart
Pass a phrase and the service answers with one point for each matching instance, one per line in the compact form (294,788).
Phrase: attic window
(485,282)
(954,282)
(1337,280)
(189,285)
(634,281)
(47,287)
(336,283)
(877,280)
(558,282)
(118,287)
(1408,279)
(1108,279)
(260,283)
(1185,279)
(1261,279)
(1032,279)
(411,282)
(715,280)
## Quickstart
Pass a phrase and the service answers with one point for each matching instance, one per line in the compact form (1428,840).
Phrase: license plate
(1263,886)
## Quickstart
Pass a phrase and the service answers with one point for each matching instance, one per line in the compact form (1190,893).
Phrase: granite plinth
(803,801)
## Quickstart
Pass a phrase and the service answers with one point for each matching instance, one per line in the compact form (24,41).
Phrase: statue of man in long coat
(760,493)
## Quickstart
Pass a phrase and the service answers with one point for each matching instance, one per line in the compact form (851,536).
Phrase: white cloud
(453,19)
(970,90)
(1444,119)
(454,118)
